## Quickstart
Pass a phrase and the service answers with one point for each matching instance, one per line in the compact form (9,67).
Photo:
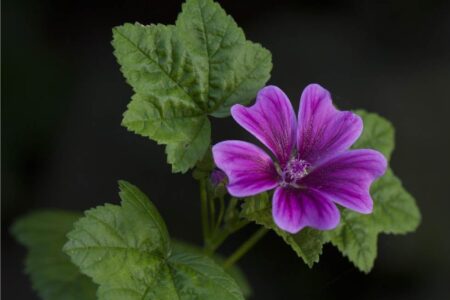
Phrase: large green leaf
(395,210)
(307,244)
(181,74)
(126,250)
(52,274)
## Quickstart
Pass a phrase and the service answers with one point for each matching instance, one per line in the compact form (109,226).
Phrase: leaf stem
(204,210)
(212,214)
(245,247)
(221,214)
(219,239)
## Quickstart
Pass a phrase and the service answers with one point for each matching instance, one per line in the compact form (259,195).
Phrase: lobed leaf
(52,274)
(126,250)
(181,74)
(395,210)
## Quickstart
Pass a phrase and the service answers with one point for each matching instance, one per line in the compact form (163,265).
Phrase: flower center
(294,170)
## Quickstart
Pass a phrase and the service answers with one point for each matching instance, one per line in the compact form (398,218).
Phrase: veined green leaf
(181,74)
(307,244)
(126,250)
(395,210)
(234,69)
(356,238)
(52,274)
(233,271)
(181,154)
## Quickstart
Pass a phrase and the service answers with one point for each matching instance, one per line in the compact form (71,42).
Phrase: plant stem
(223,235)
(245,247)
(220,216)
(204,210)
(212,214)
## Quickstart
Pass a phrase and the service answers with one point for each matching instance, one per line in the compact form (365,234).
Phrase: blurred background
(63,147)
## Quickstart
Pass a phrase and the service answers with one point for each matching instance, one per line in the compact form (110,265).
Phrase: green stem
(223,235)
(204,210)
(245,247)
(212,214)
(221,214)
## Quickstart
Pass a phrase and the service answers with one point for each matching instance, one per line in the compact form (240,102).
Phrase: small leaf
(181,74)
(53,276)
(378,134)
(307,244)
(127,251)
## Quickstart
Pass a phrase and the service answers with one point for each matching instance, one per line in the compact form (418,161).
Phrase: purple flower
(313,167)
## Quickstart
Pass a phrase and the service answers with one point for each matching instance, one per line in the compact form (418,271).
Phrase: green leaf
(378,134)
(53,276)
(307,244)
(126,250)
(204,167)
(356,238)
(183,155)
(395,210)
(181,74)
(233,68)
(234,271)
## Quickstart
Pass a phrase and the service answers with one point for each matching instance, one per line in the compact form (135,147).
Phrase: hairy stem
(245,247)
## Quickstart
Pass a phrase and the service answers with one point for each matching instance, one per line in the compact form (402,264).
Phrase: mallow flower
(312,168)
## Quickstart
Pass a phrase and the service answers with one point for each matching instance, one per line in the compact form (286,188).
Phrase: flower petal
(271,119)
(249,169)
(294,209)
(346,178)
(324,131)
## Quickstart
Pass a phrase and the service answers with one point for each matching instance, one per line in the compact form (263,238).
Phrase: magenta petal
(271,119)
(295,209)
(324,131)
(249,169)
(347,178)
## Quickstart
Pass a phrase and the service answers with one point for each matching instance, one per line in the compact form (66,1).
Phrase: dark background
(63,146)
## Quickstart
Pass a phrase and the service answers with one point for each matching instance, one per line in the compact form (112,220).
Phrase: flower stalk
(245,247)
